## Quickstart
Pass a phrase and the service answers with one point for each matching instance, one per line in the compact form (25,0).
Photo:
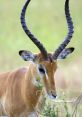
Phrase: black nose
(54,95)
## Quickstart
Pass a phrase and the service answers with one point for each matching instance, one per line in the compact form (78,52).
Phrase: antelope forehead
(51,67)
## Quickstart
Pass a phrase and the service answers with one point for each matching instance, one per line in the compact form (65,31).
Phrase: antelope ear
(65,53)
(27,55)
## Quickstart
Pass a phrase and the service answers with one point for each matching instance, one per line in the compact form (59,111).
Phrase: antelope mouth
(52,95)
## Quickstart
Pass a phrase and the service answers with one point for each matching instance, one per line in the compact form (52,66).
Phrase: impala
(20,90)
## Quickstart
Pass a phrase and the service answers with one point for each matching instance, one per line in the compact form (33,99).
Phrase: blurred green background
(46,19)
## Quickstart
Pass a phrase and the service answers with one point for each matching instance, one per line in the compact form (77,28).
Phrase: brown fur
(18,95)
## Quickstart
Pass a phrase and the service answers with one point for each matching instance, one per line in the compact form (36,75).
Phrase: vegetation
(58,109)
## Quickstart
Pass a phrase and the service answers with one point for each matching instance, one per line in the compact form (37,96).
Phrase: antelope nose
(54,94)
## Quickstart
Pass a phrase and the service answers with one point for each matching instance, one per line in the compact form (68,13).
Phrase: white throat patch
(33,114)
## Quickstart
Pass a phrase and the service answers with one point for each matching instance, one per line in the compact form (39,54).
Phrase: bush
(55,109)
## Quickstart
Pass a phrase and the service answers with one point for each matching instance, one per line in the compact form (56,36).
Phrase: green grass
(62,108)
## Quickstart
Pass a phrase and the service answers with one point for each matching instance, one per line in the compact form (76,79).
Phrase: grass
(47,21)
(56,109)
(61,108)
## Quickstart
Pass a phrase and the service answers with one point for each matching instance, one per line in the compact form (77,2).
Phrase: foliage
(55,109)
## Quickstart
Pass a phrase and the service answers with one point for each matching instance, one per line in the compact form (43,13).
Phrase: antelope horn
(70,31)
(30,35)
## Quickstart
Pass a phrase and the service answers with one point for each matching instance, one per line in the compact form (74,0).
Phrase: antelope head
(45,62)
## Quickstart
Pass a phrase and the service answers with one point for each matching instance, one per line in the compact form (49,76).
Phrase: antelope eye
(41,70)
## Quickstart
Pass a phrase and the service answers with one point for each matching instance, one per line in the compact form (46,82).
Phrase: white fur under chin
(33,114)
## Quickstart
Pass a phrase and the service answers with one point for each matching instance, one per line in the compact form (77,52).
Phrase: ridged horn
(28,32)
(70,31)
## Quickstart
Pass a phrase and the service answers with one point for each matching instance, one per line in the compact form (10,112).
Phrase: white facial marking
(46,75)
(41,75)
